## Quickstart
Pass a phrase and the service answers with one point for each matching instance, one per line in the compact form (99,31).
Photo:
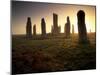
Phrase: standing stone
(29,28)
(51,29)
(67,28)
(72,30)
(55,24)
(59,29)
(43,27)
(73,38)
(82,27)
(34,29)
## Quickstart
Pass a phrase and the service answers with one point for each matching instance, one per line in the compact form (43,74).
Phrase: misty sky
(36,10)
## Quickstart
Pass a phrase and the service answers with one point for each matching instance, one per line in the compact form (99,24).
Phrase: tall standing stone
(43,27)
(28,28)
(34,29)
(67,28)
(55,30)
(82,27)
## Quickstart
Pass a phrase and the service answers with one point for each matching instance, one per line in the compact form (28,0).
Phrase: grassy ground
(49,55)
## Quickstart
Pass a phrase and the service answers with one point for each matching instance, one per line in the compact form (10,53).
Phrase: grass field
(50,55)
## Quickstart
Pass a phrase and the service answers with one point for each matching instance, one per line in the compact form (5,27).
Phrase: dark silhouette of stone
(55,28)
(72,30)
(59,29)
(43,27)
(82,27)
(67,28)
(34,29)
(72,37)
(51,29)
(29,28)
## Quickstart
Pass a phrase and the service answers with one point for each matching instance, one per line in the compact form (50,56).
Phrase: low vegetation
(50,55)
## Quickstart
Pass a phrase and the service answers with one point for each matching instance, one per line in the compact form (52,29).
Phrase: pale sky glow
(22,10)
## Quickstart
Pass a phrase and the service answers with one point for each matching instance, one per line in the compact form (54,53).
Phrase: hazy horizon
(37,10)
